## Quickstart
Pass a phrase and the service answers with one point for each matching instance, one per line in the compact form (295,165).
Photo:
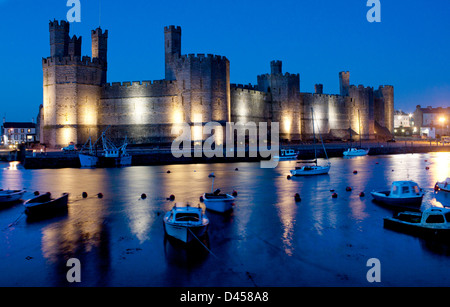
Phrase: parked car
(70,147)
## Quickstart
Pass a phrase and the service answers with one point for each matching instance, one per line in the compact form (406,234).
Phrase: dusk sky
(409,48)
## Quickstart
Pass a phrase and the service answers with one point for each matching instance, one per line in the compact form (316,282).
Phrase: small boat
(113,155)
(45,204)
(8,196)
(87,155)
(405,194)
(433,221)
(185,223)
(443,185)
(310,168)
(287,154)
(355,152)
(216,201)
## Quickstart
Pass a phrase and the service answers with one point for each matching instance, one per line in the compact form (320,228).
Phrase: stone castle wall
(78,102)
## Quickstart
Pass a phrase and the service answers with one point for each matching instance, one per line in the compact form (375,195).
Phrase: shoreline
(157,156)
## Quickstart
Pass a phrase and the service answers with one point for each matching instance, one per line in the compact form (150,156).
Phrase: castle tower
(276,68)
(74,46)
(72,88)
(172,47)
(59,38)
(284,91)
(100,49)
(344,83)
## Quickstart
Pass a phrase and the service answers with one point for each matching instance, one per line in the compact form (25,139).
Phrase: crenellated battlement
(202,57)
(154,83)
(72,60)
(172,28)
(57,25)
(99,32)
(240,88)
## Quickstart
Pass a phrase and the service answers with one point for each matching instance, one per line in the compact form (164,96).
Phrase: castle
(78,102)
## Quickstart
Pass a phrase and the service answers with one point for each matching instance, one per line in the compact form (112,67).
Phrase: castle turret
(99,44)
(59,38)
(172,47)
(344,83)
(75,46)
(276,67)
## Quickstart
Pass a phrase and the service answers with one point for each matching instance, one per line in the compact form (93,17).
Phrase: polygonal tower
(72,87)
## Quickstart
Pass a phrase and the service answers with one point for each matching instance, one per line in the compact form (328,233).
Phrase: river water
(268,240)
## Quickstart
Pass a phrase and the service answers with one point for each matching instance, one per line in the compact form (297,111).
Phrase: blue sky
(409,48)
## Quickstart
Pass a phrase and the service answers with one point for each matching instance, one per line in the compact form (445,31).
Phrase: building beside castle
(78,102)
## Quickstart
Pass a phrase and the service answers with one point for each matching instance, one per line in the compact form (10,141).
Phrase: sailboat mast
(314,135)
(359,123)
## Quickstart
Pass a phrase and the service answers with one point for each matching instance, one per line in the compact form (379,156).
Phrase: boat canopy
(404,188)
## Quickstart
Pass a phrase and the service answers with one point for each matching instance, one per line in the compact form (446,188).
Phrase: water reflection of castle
(79,102)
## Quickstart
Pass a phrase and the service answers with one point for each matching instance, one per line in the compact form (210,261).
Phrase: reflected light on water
(287,210)
(441,166)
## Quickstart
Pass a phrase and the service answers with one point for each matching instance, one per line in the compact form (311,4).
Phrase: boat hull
(222,204)
(415,228)
(442,186)
(184,233)
(321,170)
(356,153)
(88,160)
(10,196)
(34,207)
(403,202)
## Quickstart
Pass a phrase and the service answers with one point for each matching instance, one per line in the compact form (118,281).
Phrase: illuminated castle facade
(78,102)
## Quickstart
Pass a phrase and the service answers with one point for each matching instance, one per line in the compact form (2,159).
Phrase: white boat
(216,201)
(405,194)
(433,221)
(443,185)
(287,154)
(355,152)
(186,223)
(8,196)
(87,155)
(311,168)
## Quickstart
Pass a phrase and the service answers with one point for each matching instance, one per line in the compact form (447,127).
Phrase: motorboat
(443,185)
(185,223)
(355,152)
(311,168)
(45,204)
(405,194)
(217,201)
(87,155)
(287,154)
(432,221)
(8,196)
